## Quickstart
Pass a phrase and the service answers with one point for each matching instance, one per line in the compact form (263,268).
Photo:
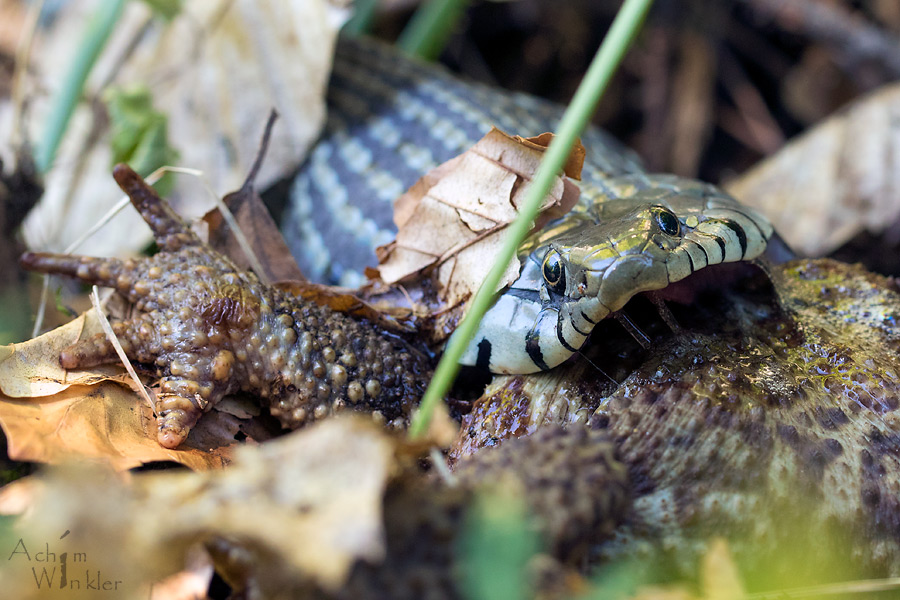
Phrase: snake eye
(554,272)
(667,221)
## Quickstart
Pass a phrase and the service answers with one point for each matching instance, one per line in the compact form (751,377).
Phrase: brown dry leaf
(255,224)
(341,300)
(106,422)
(452,219)
(261,232)
(50,415)
(309,503)
(31,369)
(837,180)
(575,161)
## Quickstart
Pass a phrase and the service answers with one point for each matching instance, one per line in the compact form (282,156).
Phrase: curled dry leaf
(255,224)
(341,300)
(451,221)
(32,370)
(106,422)
(837,180)
(261,233)
(307,504)
(50,415)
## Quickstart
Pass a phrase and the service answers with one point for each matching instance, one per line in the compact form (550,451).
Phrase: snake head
(647,245)
(591,263)
(612,260)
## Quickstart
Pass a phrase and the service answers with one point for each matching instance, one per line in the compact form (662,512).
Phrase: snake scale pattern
(390,119)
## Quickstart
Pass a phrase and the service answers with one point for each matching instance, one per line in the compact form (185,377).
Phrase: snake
(391,118)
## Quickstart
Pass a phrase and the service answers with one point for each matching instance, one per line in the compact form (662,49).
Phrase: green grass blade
(363,14)
(427,32)
(69,93)
(623,30)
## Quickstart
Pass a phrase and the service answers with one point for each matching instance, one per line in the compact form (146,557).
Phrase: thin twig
(242,241)
(111,336)
(261,151)
(441,467)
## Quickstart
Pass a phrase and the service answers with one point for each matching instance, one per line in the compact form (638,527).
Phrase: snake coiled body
(392,118)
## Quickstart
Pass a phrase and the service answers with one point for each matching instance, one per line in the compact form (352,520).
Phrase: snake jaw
(583,315)
(680,263)
(629,276)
